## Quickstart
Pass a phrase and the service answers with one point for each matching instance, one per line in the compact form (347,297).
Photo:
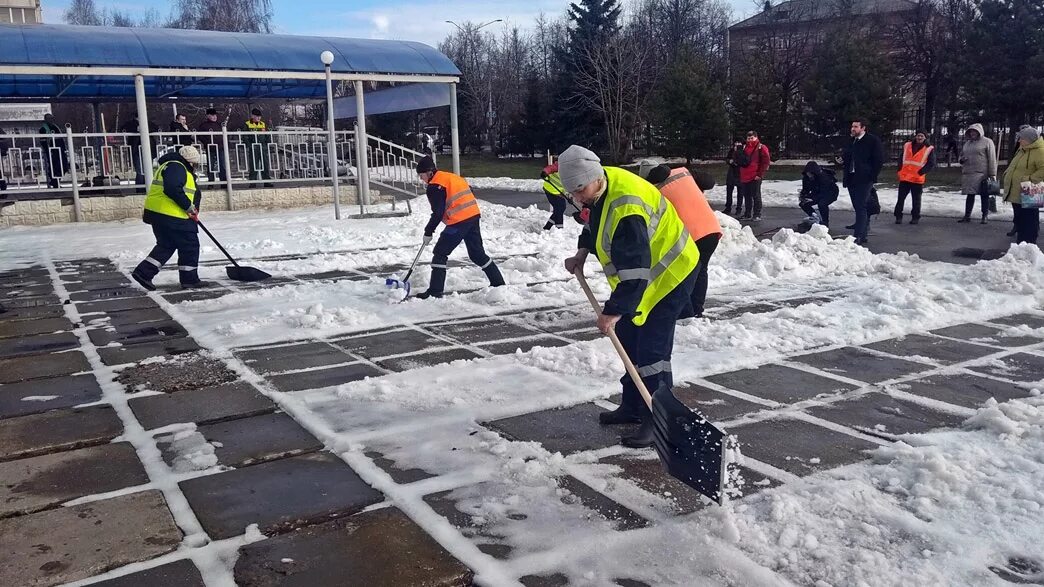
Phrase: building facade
(20,11)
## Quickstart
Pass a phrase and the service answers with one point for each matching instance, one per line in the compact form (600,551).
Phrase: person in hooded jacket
(818,190)
(978,163)
(1027,164)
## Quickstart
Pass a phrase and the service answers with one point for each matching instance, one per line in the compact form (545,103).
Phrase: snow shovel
(404,283)
(237,272)
(691,449)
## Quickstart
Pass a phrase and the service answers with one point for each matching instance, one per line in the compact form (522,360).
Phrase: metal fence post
(77,213)
(227,163)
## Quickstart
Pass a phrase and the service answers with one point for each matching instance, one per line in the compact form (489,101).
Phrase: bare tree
(243,16)
(83,12)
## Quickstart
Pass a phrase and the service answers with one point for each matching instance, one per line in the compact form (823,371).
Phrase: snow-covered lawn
(933,509)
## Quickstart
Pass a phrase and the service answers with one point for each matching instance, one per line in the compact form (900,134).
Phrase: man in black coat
(862,160)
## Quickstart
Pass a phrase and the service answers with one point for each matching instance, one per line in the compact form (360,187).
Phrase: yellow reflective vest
(157,201)
(674,254)
(553,185)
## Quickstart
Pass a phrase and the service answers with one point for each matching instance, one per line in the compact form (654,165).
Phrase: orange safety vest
(912,164)
(460,201)
(681,190)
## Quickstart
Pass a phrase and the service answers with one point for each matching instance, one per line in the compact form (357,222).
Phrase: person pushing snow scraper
(453,204)
(556,196)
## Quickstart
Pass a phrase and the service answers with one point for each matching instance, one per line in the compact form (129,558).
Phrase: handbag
(1032,194)
(990,187)
(873,204)
(993,204)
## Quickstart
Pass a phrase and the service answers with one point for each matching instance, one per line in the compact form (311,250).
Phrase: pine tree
(689,110)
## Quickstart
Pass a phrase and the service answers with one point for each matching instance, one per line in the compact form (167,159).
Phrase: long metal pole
(454,133)
(361,142)
(226,163)
(331,145)
(143,129)
(70,148)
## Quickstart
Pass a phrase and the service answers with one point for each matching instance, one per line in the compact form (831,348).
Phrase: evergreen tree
(689,110)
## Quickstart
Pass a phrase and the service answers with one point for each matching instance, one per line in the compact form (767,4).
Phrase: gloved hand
(193,214)
(576,261)
(427,239)
(582,216)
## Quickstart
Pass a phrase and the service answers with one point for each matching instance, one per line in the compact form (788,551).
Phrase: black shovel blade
(241,273)
(691,449)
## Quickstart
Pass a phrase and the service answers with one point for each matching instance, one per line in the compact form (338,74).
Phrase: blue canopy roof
(152,48)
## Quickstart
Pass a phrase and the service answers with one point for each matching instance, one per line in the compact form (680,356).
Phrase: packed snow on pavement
(933,509)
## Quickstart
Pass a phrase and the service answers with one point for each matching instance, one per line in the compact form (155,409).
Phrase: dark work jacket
(818,185)
(863,160)
(185,136)
(207,126)
(174,177)
(628,250)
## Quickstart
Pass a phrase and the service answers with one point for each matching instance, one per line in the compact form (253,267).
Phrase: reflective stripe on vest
(553,184)
(912,164)
(460,201)
(159,202)
(672,251)
(681,190)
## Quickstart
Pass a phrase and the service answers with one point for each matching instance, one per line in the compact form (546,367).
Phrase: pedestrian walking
(650,262)
(978,166)
(1027,165)
(172,209)
(735,159)
(210,140)
(818,191)
(757,160)
(862,159)
(556,196)
(453,204)
(918,161)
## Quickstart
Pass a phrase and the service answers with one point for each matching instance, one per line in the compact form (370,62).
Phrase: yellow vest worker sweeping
(649,259)
(918,160)
(171,207)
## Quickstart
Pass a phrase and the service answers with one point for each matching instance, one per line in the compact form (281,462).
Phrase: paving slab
(986,335)
(555,580)
(860,365)
(71,544)
(799,447)
(1031,320)
(107,294)
(583,335)
(278,495)
(37,345)
(180,573)
(195,295)
(57,430)
(23,328)
(427,359)
(714,405)
(780,383)
(796,302)
(247,441)
(566,430)
(941,350)
(202,406)
(37,483)
(398,474)
(577,491)
(35,302)
(883,415)
(26,291)
(113,282)
(18,314)
(558,320)
(126,317)
(969,391)
(80,277)
(132,353)
(525,345)
(176,373)
(318,378)
(135,333)
(1022,367)
(297,356)
(729,312)
(395,342)
(380,547)
(453,506)
(51,365)
(41,395)
(117,305)
(482,330)
(335,275)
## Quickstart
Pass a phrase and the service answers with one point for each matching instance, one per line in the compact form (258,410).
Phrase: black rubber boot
(914,220)
(428,294)
(964,220)
(493,273)
(643,438)
(143,280)
(620,415)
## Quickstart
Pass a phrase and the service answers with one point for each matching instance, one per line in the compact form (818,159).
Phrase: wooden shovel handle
(616,340)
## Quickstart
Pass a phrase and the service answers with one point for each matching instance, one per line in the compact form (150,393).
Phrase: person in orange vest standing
(453,204)
(685,192)
(918,160)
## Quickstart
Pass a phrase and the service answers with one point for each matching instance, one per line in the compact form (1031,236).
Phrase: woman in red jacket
(751,174)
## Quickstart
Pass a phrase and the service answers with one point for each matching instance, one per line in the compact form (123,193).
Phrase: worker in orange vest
(685,192)
(453,204)
(918,160)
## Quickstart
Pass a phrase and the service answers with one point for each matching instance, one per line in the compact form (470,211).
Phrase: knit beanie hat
(1029,134)
(190,154)
(425,164)
(578,167)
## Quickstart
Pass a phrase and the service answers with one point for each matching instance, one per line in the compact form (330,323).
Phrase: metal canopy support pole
(226,164)
(70,148)
(454,133)
(331,145)
(143,129)
(361,142)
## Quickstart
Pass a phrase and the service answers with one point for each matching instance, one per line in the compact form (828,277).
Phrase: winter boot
(143,280)
(914,220)
(620,415)
(549,225)
(964,220)
(428,294)
(493,273)
(436,284)
(1013,232)
(643,438)
(898,218)
(985,219)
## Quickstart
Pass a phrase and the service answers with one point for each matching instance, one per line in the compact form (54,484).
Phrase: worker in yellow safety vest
(918,160)
(256,139)
(649,259)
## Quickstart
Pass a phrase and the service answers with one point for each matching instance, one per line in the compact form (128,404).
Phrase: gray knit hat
(1029,134)
(578,167)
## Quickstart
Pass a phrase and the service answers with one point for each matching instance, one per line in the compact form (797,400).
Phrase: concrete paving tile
(107,294)
(36,313)
(579,492)
(26,291)
(132,353)
(714,405)
(136,333)
(567,430)
(37,483)
(555,580)
(860,365)
(981,333)
(113,282)
(57,430)
(1020,367)
(455,505)
(298,356)
(1031,320)
(34,302)
(182,573)
(427,359)
(71,544)
(37,345)
(398,474)
(380,547)
(116,305)
(202,406)
(524,345)
(780,383)
(126,317)
(176,373)
(559,320)
(479,331)
(278,495)
(323,377)
(394,342)
(50,365)
(729,312)
(247,441)
(882,415)
(799,447)
(968,391)
(41,395)
(23,328)
(583,335)
(941,350)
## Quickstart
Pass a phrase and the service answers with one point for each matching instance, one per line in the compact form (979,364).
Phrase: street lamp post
(327,58)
